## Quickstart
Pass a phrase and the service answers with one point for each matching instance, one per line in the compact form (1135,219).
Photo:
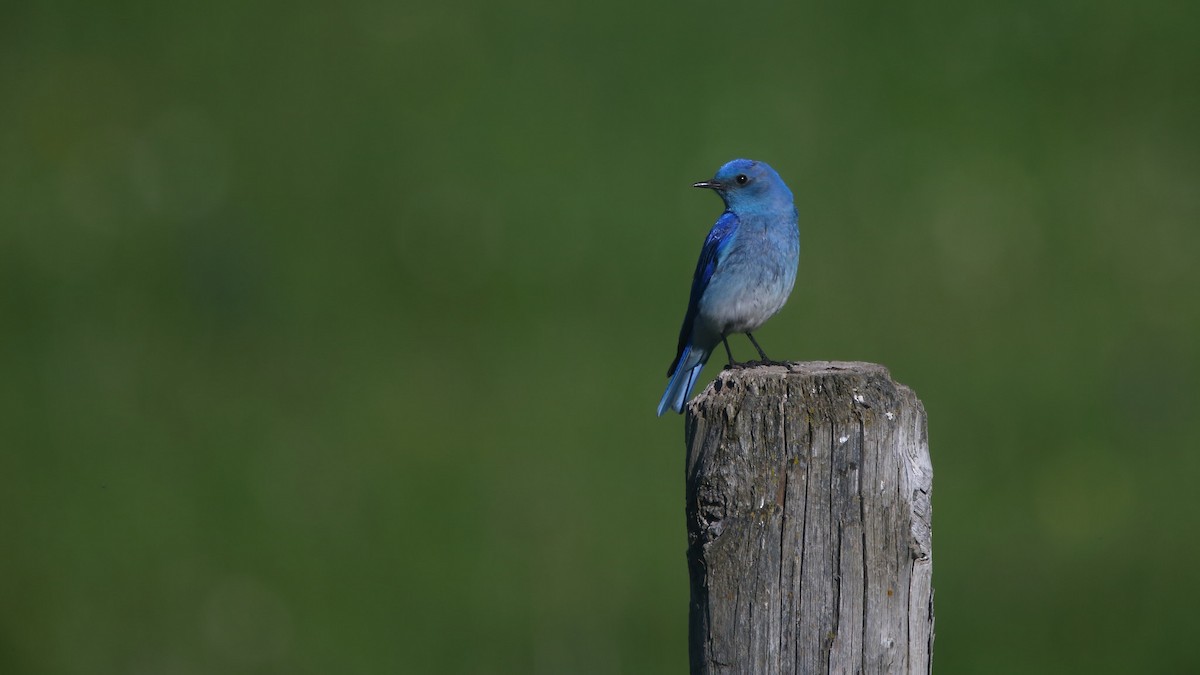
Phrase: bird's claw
(744,365)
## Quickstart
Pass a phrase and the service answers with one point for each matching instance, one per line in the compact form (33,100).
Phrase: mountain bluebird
(745,273)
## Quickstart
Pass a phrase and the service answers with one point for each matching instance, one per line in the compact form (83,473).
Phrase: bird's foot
(763,362)
(744,365)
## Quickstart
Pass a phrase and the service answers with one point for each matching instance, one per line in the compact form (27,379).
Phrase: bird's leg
(733,365)
(761,353)
(765,361)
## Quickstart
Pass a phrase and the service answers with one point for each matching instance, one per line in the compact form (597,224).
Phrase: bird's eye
(742,179)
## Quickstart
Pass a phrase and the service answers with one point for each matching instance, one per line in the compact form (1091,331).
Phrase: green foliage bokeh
(332,333)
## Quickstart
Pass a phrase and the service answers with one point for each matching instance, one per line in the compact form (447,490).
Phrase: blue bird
(745,273)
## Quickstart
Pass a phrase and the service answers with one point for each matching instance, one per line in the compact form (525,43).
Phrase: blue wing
(718,240)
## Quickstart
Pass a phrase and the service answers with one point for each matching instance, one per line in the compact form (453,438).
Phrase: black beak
(710,184)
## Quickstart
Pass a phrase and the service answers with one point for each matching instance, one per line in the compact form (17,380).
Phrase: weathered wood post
(809,540)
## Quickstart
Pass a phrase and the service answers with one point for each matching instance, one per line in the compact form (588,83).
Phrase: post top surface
(766,377)
(862,368)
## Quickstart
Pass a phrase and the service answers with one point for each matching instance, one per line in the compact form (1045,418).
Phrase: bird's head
(746,184)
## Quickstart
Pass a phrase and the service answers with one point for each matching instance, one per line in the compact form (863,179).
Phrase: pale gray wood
(809,534)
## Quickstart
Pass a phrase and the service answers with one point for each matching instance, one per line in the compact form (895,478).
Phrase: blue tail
(687,370)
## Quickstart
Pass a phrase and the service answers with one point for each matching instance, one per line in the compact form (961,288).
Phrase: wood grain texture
(808,511)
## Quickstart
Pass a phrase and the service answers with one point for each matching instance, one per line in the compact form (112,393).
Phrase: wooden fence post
(808,512)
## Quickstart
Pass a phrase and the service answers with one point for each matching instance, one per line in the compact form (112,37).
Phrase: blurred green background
(332,334)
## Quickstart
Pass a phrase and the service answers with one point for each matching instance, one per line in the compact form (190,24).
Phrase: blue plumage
(745,273)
